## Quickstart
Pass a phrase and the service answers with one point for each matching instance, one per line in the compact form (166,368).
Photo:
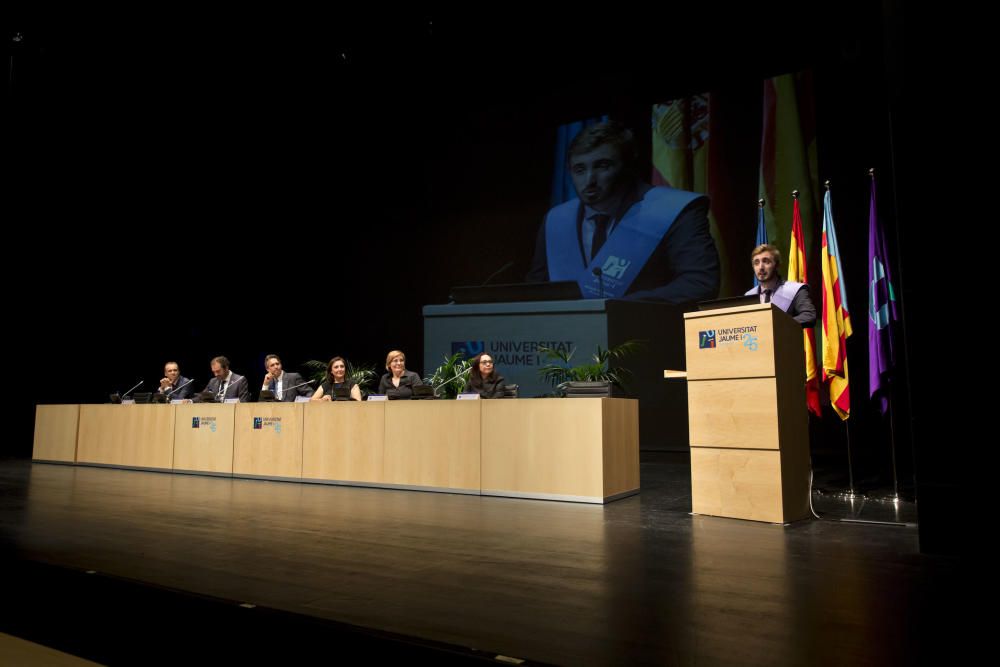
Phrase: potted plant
(559,371)
(450,378)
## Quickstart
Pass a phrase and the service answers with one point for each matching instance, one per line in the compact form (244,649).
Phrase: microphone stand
(600,281)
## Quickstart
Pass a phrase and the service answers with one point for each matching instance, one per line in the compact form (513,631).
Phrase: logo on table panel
(261,423)
(615,267)
(706,339)
(469,348)
(204,422)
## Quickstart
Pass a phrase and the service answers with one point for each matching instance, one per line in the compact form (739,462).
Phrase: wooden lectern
(749,426)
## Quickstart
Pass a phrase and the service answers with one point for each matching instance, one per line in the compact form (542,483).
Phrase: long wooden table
(581,450)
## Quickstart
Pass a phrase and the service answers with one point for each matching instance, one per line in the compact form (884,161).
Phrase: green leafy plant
(450,378)
(363,375)
(559,369)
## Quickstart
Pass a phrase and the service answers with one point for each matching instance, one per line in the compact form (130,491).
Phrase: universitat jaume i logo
(469,348)
(706,339)
(615,267)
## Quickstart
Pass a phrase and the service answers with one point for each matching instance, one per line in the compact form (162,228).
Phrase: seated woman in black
(398,381)
(484,379)
(336,378)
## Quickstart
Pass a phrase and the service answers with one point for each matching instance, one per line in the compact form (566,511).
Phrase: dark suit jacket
(492,387)
(684,268)
(174,394)
(406,383)
(289,380)
(237,388)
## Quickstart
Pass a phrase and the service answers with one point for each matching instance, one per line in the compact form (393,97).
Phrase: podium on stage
(749,426)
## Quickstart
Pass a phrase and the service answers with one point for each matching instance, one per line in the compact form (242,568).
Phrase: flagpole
(892,415)
(850,465)
(851,493)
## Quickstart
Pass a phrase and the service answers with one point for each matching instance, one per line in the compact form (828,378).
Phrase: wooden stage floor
(458,578)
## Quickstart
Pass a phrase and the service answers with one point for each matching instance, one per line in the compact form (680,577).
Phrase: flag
(836,317)
(761,236)
(788,159)
(797,272)
(685,158)
(882,310)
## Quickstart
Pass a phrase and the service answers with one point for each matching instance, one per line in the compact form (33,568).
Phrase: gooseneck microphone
(173,390)
(600,281)
(132,389)
(301,384)
(497,272)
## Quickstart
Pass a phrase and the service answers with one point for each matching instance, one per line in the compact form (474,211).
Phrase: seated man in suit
(226,384)
(791,297)
(623,238)
(284,386)
(173,385)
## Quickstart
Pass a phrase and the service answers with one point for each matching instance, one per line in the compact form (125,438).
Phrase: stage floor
(638,581)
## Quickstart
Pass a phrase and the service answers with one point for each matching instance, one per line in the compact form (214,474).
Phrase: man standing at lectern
(791,297)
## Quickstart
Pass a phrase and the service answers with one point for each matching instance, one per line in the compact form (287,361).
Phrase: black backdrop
(189,186)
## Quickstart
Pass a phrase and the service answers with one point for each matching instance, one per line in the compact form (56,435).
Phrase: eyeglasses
(485,362)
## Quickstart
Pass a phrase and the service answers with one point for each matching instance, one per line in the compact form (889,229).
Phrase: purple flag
(882,310)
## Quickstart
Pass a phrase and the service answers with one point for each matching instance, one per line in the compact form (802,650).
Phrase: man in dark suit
(226,384)
(623,238)
(283,386)
(173,385)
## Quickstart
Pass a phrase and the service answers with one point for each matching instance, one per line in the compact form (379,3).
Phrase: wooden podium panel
(747,414)
(433,444)
(268,440)
(140,436)
(55,432)
(584,449)
(728,417)
(203,437)
(739,483)
(344,441)
(743,343)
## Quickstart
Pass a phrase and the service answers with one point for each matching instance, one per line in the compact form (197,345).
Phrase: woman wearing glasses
(398,382)
(484,379)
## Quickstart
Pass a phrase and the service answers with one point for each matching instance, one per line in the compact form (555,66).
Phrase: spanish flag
(836,317)
(797,272)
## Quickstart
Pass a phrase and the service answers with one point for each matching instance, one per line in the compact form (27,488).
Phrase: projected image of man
(622,237)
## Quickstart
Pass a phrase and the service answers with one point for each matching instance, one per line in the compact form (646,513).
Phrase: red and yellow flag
(797,272)
(836,317)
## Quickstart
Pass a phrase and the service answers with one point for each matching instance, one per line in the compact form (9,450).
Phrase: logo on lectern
(195,422)
(258,423)
(706,339)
